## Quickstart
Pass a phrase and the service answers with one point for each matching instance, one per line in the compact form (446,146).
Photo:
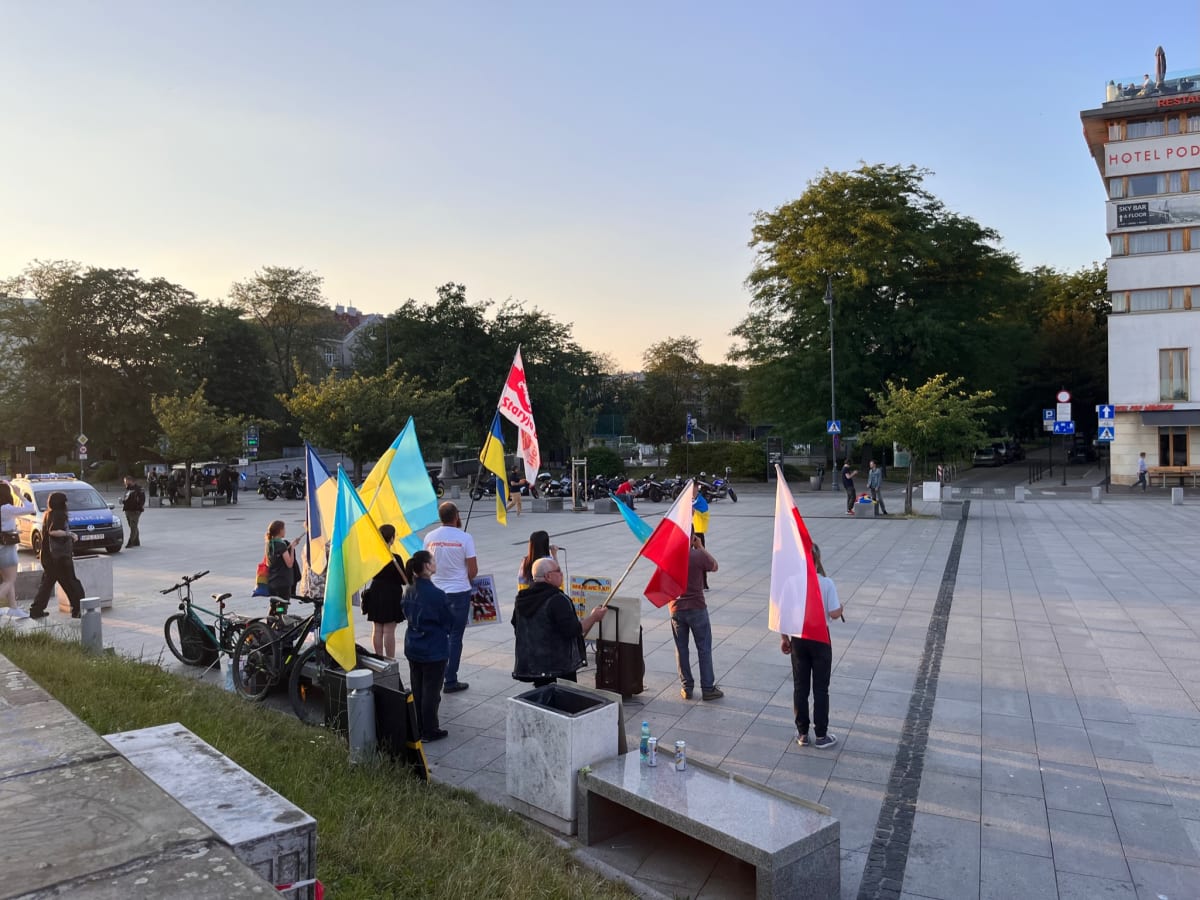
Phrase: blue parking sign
(1047,415)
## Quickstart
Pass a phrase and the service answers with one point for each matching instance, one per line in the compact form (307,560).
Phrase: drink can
(652,752)
(680,756)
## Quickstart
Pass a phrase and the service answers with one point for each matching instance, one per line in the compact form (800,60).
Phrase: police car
(90,515)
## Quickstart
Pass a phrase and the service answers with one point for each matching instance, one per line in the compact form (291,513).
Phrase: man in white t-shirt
(454,552)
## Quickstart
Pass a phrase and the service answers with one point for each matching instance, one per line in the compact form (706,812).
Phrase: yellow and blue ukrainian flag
(356,553)
(319,504)
(492,457)
(398,490)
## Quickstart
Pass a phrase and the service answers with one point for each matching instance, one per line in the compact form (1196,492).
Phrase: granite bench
(213,500)
(547,504)
(793,845)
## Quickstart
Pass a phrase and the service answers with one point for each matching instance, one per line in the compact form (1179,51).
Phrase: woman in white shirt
(11,506)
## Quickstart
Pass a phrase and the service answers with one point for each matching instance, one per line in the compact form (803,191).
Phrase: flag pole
(629,568)
(483,451)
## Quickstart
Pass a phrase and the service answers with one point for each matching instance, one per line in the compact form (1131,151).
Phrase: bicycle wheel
(185,639)
(305,689)
(255,662)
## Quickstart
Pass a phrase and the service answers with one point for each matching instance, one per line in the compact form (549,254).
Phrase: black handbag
(8,538)
(61,547)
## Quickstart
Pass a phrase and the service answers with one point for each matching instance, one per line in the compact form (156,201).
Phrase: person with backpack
(133,504)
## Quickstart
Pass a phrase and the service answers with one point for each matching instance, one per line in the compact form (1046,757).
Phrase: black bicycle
(268,648)
(193,641)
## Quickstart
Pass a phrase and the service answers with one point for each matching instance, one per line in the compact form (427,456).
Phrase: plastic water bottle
(645,740)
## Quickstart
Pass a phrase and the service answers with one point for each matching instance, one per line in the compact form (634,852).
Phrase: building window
(1114,131)
(1173,376)
(1151,128)
(1148,242)
(1116,188)
(1149,301)
(1193,180)
(1147,185)
(1193,122)
(1172,447)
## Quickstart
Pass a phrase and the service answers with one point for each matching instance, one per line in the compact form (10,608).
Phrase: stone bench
(268,833)
(793,845)
(604,506)
(546,504)
(214,500)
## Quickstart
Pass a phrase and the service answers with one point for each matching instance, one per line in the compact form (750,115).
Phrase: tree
(579,423)
(95,344)
(226,354)
(937,417)
(195,429)
(361,415)
(288,306)
(916,290)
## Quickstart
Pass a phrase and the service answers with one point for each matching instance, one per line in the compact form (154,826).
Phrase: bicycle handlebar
(185,581)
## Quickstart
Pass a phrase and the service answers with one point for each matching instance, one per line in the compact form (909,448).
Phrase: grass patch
(380,831)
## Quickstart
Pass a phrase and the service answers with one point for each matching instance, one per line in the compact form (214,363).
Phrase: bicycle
(268,648)
(192,641)
(306,683)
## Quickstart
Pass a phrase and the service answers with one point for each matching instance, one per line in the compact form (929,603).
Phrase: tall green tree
(940,416)
(195,429)
(91,343)
(294,318)
(916,290)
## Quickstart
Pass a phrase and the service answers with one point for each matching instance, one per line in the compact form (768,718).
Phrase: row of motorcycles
(289,485)
(645,488)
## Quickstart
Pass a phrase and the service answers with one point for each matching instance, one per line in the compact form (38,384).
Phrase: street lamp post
(832,389)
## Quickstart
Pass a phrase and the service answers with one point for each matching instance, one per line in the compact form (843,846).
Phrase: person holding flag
(802,598)
(689,616)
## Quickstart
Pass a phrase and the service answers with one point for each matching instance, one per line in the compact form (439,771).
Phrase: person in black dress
(383,600)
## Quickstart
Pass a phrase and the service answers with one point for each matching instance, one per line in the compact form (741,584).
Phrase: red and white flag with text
(795,607)
(516,407)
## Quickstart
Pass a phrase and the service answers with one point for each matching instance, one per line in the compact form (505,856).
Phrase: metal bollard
(360,714)
(226,663)
(90,631)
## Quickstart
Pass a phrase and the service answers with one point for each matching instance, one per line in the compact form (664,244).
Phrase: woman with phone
(283,569)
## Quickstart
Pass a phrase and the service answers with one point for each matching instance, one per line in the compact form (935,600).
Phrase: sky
(602,162)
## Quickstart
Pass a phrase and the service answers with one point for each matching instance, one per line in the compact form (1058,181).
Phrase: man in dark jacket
(548,633)
(133,504)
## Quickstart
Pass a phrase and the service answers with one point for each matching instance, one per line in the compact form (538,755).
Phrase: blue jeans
(460,605)
(695,622)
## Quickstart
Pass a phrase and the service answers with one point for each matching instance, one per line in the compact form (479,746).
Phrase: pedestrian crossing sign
(833,426)
(1106,434)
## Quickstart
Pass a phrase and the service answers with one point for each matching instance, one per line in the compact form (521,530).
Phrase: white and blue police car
(90,515)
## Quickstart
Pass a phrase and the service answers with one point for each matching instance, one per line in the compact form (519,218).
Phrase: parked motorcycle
(267,488)
(649,489)
(723,488)
(435,479)
(486,486)
(292,487)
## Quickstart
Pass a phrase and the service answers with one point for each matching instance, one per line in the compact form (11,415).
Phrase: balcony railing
(1174,84)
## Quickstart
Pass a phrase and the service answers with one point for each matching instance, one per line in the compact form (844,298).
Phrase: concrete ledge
(792,845)
(81,821)
(213,500)
(604,506)
(546,504)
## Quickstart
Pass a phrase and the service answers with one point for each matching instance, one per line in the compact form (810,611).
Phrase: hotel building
(1146,143)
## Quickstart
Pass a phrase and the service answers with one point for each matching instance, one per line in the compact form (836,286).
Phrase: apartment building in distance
(1145,140)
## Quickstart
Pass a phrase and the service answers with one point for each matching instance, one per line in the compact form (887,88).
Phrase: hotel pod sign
(1162,154)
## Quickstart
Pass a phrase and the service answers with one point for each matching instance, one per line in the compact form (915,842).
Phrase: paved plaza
(1018,694)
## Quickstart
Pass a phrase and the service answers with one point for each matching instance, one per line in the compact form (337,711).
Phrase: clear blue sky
(602,161)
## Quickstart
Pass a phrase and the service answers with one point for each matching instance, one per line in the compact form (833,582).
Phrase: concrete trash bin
(552,733)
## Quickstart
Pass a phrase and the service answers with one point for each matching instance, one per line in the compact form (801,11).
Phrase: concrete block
(546,747)
(546,504)
(95,572)
(931,491)
(1177,496)
(953,509)
(1097,494)
(793,845)
(1019,493)
(604,506)
(268,833)
(29,576)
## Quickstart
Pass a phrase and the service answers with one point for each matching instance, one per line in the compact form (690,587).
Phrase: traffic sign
(1063,396)
(1047,415)
(1104,411)
(83,451)
(1062,412)
(1107,434)
(833,426)
(1064,427)
(82,439)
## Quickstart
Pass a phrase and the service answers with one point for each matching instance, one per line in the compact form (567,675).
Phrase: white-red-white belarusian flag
(516,407)
(795,607)
(668,548)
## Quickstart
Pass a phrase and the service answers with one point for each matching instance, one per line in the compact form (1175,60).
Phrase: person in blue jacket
(426,641)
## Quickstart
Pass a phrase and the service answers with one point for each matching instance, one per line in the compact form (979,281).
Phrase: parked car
(988,456)
(1082,450)
(90,516)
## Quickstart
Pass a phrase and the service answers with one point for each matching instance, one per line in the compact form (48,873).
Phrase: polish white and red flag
(668,548)
(795,607)
(516,407)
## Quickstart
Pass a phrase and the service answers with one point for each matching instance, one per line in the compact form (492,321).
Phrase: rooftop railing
(1175,83)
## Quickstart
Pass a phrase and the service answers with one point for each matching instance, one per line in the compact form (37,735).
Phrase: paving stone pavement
(1061,751)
